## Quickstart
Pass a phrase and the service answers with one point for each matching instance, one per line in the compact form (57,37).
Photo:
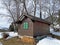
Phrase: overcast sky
(3,20)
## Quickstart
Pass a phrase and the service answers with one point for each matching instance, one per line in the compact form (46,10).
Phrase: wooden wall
(41,28)
(28,32)
(35,28)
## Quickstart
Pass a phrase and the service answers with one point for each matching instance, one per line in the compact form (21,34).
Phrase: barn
(29,25)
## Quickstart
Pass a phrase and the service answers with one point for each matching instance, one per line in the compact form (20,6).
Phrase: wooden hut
(29,25)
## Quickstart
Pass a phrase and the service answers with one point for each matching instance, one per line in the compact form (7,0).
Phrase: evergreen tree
(11,28)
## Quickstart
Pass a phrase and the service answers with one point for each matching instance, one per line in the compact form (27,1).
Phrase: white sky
(3,20)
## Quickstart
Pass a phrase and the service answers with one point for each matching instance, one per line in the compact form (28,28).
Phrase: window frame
(25,25)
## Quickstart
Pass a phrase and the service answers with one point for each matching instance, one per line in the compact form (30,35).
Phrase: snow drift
(11,34)
(53,32)
(49,41)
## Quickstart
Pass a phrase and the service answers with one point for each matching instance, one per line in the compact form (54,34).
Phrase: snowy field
(45,41)
(11,34)
(49,41)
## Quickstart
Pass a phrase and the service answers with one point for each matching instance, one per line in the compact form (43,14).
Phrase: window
(25,25)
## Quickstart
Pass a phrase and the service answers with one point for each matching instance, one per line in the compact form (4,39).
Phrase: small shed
(29,25)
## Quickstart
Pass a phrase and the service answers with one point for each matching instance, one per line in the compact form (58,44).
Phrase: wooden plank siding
(36,26)
(41,28)
(28,32)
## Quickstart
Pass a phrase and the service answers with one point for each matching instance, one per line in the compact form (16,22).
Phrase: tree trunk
(40,11)
(24,5)
(34,8)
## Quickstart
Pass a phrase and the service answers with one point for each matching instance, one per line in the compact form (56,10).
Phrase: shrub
(5,35)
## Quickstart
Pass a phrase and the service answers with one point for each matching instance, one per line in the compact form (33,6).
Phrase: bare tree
(40,9)
(52,10)
(34,8)
(12,6)
(16,8)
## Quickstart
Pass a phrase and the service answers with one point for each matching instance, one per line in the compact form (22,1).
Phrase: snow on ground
(1,35)
(49,41)
(56,33)
(1,43)
(53,32)
(11,34)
